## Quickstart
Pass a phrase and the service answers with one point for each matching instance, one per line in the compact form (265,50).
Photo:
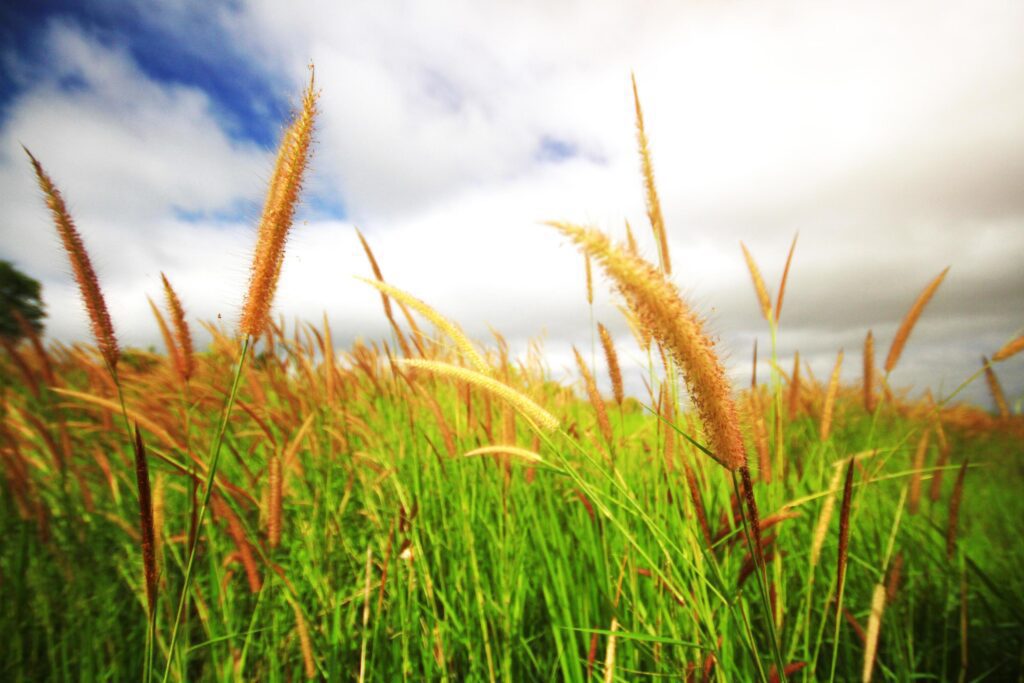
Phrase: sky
(888,135)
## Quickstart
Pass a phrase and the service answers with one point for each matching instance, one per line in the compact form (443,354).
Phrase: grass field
(427,507)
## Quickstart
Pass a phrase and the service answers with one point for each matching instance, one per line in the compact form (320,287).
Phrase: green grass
(507,580)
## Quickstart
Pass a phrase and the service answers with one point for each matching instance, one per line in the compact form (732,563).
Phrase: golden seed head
(650,190)
(450,329)
(81,267)
(612,359)
(907,326)
(542,418)
(183,336)
(662,312)
(278,211)
(759,287)
(1011,348)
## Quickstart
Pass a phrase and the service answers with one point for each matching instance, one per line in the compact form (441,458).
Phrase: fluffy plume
(825,518)
(668,319)
(651,192)
(996,389)
(830,399)
(185,356)
(542,418)
(794,387)
(844,528)
(907,326)
(954,510)
(612,359)
(384,297)
(450,329)
(1011,348)
(278,211)
(81,267)
(595,399)
(759,287)
(785,278)
(914,499)
(869,373)
(523,453)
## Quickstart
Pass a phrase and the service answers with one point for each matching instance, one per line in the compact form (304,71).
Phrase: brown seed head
(759,288)
(954,510)
(612,359)
(182,334)
(278,211)
(540,417)
(631,240)
(406,351)
(651,192)
(145,520)
(1011,348)
(595,399)
(590,282)
(785,278)
(996,389)
(165,334)
(663,313)
(830,399)
(275,489)
(794,387)
(869,373)
(914,498)
(907,326)
(81,267)
(844,527)
(450,329)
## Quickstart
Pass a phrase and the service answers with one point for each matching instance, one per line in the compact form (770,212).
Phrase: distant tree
(19,294)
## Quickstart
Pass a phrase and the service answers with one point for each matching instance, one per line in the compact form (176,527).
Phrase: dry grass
(910,320)
(529,409)
(81,267)
(662,312)
(278,211)
(448,328)
(654,214)
(763,298)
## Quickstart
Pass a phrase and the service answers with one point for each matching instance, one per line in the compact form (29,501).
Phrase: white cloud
(887,134)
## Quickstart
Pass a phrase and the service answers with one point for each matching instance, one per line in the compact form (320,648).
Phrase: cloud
(887,135)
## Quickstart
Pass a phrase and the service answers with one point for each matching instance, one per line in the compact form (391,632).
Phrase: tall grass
(428,508)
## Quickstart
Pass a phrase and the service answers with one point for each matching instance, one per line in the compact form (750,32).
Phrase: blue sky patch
(553,149)
(196,52)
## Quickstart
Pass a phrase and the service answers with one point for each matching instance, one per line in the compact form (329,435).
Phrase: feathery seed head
(595,399)
(185,357)
(869,373)
(759,287)
(996,389)
(651,192)
(907,326)
(662,312)
(1011,348)
(278,211)
(785,278)
(612,359)
(81,267)
(450,329)
(830,399)
(540,417)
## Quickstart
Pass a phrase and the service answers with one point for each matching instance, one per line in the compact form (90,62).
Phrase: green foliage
(19,294)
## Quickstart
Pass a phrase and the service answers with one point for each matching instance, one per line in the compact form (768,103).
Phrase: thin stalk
(762,579)
(207,491)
